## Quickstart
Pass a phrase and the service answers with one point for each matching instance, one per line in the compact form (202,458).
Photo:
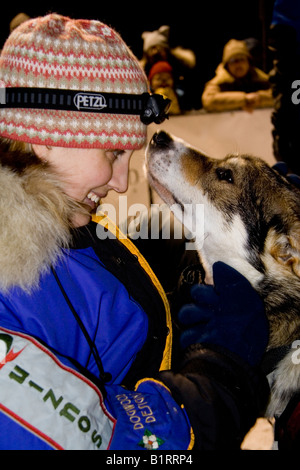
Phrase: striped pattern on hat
(86,55)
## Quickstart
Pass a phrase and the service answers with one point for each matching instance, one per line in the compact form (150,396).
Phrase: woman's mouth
(93,197)
(92,200)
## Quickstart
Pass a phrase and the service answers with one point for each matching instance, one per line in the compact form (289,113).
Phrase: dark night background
(204,26)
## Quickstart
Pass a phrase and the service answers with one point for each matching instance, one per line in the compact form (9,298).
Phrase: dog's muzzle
(161,140)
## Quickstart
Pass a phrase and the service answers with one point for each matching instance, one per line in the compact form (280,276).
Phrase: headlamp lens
(156,109)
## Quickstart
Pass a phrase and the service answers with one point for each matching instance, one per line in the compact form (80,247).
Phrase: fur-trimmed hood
(35,225)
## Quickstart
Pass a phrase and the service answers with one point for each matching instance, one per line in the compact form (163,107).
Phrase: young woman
(85,326)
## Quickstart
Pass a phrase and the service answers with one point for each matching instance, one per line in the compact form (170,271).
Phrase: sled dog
(252,223)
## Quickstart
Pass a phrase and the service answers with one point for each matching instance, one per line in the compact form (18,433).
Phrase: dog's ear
(285,248)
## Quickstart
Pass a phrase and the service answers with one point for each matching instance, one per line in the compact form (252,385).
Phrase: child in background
(162,82)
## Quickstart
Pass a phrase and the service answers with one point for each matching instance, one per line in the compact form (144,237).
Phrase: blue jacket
(108,384)
(118,326)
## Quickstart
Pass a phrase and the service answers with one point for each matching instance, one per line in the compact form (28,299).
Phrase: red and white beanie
(56,52)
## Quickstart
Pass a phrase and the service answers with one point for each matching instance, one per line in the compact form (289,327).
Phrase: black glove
(229,314)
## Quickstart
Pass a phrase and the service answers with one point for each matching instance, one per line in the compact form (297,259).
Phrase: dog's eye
(224,174)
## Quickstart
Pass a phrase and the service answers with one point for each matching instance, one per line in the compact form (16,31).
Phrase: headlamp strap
(72,100)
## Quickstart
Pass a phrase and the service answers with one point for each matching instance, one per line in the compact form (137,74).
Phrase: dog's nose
(161,139)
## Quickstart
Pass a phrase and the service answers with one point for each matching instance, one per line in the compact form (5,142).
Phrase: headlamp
(156,109)
(150,108)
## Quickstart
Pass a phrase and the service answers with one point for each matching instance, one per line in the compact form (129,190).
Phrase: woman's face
(87,174)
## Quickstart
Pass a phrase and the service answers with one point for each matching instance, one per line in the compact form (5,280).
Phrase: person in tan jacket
(237,83)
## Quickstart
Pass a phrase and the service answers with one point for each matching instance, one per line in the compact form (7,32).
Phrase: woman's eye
(224,174)
(114,154)
(117,153)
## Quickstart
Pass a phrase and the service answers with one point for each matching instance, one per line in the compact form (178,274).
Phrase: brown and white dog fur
(251,222)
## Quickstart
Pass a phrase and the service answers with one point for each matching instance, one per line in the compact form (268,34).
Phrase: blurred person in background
(17,20)
(237,83)
(161,81)
(157,48)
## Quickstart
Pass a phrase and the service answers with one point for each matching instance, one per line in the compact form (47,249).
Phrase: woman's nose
(119,179)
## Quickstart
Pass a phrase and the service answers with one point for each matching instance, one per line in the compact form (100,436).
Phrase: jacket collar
(34,225)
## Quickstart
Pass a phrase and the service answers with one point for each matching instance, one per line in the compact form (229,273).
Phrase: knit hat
(233,48)
(159,67)
(56,52)
(159,37)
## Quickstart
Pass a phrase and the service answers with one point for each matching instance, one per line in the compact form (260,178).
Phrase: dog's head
(251,220)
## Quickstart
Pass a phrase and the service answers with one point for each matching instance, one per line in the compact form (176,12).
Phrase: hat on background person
(158,37)
(57,52)
(233,48)
(159,67)
(17,20)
